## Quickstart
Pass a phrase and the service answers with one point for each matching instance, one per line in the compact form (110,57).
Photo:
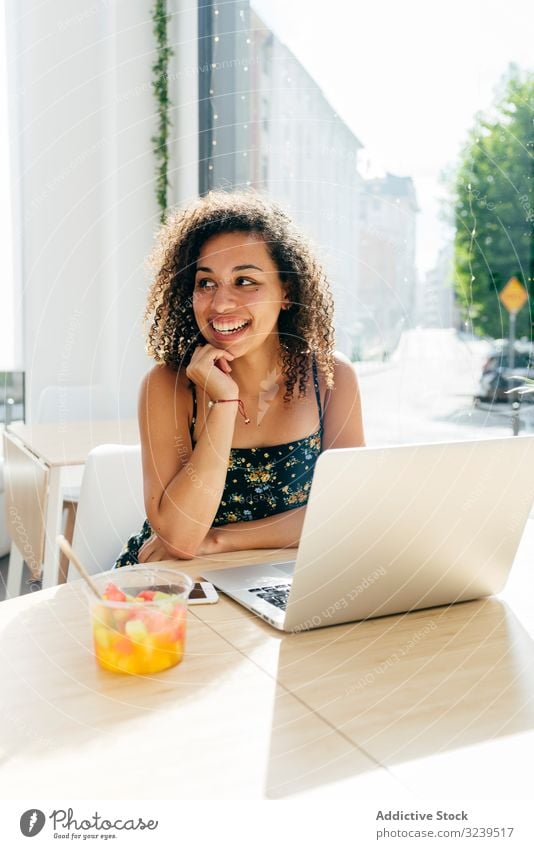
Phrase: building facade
(388,274)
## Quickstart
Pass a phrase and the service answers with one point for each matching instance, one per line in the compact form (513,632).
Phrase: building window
(266,55)
(265,114)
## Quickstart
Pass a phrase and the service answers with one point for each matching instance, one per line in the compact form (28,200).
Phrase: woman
(247,390)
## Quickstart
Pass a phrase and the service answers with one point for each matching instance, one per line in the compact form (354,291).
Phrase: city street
(425,392)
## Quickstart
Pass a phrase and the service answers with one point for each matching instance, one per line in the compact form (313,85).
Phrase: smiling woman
(247,389)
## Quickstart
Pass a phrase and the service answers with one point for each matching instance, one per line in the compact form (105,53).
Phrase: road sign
(513,296)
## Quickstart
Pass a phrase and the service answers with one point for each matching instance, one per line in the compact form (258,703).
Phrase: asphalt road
(425,393)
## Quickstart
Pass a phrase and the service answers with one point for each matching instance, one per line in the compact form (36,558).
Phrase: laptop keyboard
(277,595)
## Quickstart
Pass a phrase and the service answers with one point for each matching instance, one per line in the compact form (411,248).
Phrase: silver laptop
(388,530)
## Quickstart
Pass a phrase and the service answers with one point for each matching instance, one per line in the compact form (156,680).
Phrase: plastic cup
(141,634)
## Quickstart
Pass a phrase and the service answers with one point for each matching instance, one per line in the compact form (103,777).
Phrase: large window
(405,150)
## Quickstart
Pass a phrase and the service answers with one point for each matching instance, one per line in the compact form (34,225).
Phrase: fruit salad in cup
(139,623)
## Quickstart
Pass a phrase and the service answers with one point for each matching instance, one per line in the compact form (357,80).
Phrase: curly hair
(306,326)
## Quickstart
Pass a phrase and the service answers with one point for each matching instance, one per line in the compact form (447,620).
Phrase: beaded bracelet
(240,404)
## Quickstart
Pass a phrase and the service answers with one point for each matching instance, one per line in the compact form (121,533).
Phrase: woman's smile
(224,327)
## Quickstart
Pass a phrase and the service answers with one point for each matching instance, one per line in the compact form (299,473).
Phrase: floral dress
(259,482)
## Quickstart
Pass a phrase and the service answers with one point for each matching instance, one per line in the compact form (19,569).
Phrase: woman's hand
(210,369)
(153,550)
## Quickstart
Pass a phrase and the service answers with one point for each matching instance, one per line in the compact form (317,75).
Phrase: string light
(245,39)
(213,145)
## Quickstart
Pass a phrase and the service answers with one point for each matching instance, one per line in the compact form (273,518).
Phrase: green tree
(493,197)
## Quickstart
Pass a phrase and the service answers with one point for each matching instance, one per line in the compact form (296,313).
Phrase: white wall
(85,113)
(10,326)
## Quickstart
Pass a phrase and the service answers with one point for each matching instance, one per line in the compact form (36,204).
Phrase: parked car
(497,376)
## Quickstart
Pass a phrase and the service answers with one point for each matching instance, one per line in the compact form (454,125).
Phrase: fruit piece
(120,616)
(148,595)
(123,663)
(168,638)
(113,593)
(123,645)
(159,596)
(153,656)
(102,615)
(179,613)
(136,630)
(101,636)
(167,607)
(155,620)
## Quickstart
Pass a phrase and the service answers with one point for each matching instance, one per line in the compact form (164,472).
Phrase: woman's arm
(282,530)
(343,422)
(343,428)
(182,486)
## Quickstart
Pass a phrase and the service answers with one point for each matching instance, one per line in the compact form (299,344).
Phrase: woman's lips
(235,334)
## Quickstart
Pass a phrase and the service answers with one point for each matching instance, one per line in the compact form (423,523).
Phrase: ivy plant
(160,87)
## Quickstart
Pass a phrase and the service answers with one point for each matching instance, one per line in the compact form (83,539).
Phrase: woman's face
(238,293)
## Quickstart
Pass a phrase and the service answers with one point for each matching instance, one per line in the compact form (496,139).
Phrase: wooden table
(436,704)
(39,461)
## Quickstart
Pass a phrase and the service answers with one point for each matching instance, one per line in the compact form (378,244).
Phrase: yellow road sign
(514,295)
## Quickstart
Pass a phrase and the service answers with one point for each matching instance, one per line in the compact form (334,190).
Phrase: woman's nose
(223,297)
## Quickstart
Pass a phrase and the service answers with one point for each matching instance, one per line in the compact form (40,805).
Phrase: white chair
(110,508)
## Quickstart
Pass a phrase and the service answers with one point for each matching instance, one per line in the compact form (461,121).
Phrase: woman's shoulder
(343,414)
(341,361)
(344,373)
(163,378)
(163,387)
(343,370)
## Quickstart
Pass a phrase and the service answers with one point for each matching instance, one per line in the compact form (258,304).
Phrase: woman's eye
(242,282)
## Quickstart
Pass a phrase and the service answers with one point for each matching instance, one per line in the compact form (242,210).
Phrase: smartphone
(203,593)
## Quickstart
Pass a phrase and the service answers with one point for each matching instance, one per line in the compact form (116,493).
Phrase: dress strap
(316,387)
(194,416)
